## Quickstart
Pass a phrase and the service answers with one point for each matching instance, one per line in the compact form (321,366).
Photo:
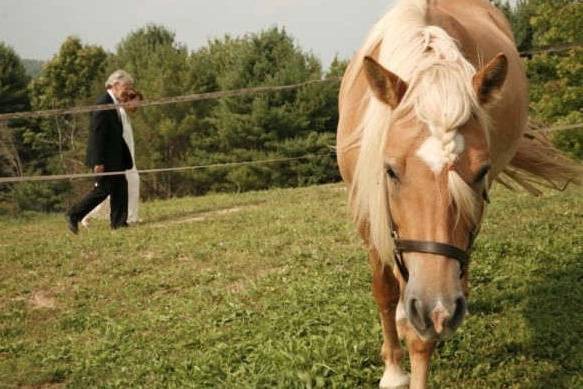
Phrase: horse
(433,108)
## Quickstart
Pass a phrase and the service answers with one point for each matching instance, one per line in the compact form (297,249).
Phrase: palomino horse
(433,108)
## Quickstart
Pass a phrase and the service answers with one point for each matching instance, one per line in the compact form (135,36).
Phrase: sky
(36,28)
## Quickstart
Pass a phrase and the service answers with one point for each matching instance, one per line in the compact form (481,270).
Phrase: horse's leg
(419,353)
(386,293)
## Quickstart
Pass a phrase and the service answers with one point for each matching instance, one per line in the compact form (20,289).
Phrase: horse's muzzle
(435,318)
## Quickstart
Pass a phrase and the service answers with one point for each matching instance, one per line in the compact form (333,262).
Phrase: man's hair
(120,76)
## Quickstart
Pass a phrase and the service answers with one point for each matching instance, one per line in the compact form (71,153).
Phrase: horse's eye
(391,173)
(482,173)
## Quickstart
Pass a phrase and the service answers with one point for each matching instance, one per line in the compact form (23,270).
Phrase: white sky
(36,28)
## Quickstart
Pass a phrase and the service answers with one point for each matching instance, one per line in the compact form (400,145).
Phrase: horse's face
(423,206)
(422,210)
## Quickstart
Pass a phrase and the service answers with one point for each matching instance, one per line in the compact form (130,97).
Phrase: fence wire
(211,96)
(60,177)
(222,94)
(162,101)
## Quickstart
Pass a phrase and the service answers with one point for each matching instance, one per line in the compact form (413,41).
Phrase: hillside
(271,289)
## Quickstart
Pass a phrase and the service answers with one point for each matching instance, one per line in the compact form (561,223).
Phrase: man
(102,211)
(107,152)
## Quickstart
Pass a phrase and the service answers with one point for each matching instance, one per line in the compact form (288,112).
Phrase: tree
(13,81)
(15,155)
(557,78)
(56,145)
(13,97)
(519,15)
(33,67)
(268,125)
(226,130)
(161,68)
(262,126)
(65,81)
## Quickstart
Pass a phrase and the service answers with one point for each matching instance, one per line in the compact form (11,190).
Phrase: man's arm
(99,128)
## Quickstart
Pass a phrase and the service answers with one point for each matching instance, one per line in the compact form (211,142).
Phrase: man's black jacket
(106,144)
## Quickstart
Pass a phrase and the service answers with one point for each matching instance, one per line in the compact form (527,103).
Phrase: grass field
(272,289)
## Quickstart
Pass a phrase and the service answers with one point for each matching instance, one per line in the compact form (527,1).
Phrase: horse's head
(432,181)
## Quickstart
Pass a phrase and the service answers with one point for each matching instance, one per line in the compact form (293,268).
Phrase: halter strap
(429,247)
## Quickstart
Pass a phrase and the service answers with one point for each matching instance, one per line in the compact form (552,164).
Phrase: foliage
(39,197)
(265,124)
(160,67)
(33,67)
(228,130)
(56,145)
(13,81)
(261,126)
(65,80)
(13,97)
(272,289)
(518,14)
(557,84)
(556,79)
(68,76)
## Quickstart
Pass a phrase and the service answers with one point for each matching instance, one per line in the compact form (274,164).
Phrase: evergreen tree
(161,68)
(13,97)
(57,145)
(272,124)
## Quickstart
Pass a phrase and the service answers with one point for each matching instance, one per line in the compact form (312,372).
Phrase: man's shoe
(72,224)
(123,225)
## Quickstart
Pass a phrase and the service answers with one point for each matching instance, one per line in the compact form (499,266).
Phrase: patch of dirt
(42,299)
(203,216)
(242,284)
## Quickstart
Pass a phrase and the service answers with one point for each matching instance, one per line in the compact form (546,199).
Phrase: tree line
(264,126)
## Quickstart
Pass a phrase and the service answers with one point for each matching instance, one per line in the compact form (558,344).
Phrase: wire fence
(163,101)
(60,177)
(222,94)
(550,49)
(212,96)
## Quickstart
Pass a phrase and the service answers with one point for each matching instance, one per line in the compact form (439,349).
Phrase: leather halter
(429,247)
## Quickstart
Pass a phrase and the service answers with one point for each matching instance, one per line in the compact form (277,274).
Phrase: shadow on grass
(553,311)
(529,305)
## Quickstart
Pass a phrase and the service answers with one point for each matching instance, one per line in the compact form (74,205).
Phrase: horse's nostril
(416,316)
(459,313)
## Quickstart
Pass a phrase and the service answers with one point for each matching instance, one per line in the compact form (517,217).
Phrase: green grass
(276,293)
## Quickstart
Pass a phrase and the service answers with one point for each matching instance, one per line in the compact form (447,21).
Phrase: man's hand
(99,169)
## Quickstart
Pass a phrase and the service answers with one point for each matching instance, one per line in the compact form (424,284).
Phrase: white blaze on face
(435,154)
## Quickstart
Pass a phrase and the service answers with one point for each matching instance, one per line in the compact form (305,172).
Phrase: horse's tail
(538,163)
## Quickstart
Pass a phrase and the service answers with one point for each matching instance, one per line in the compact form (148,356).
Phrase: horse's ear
(489,80)
(386,86)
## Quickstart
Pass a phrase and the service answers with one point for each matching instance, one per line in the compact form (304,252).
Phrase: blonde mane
(441,95)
